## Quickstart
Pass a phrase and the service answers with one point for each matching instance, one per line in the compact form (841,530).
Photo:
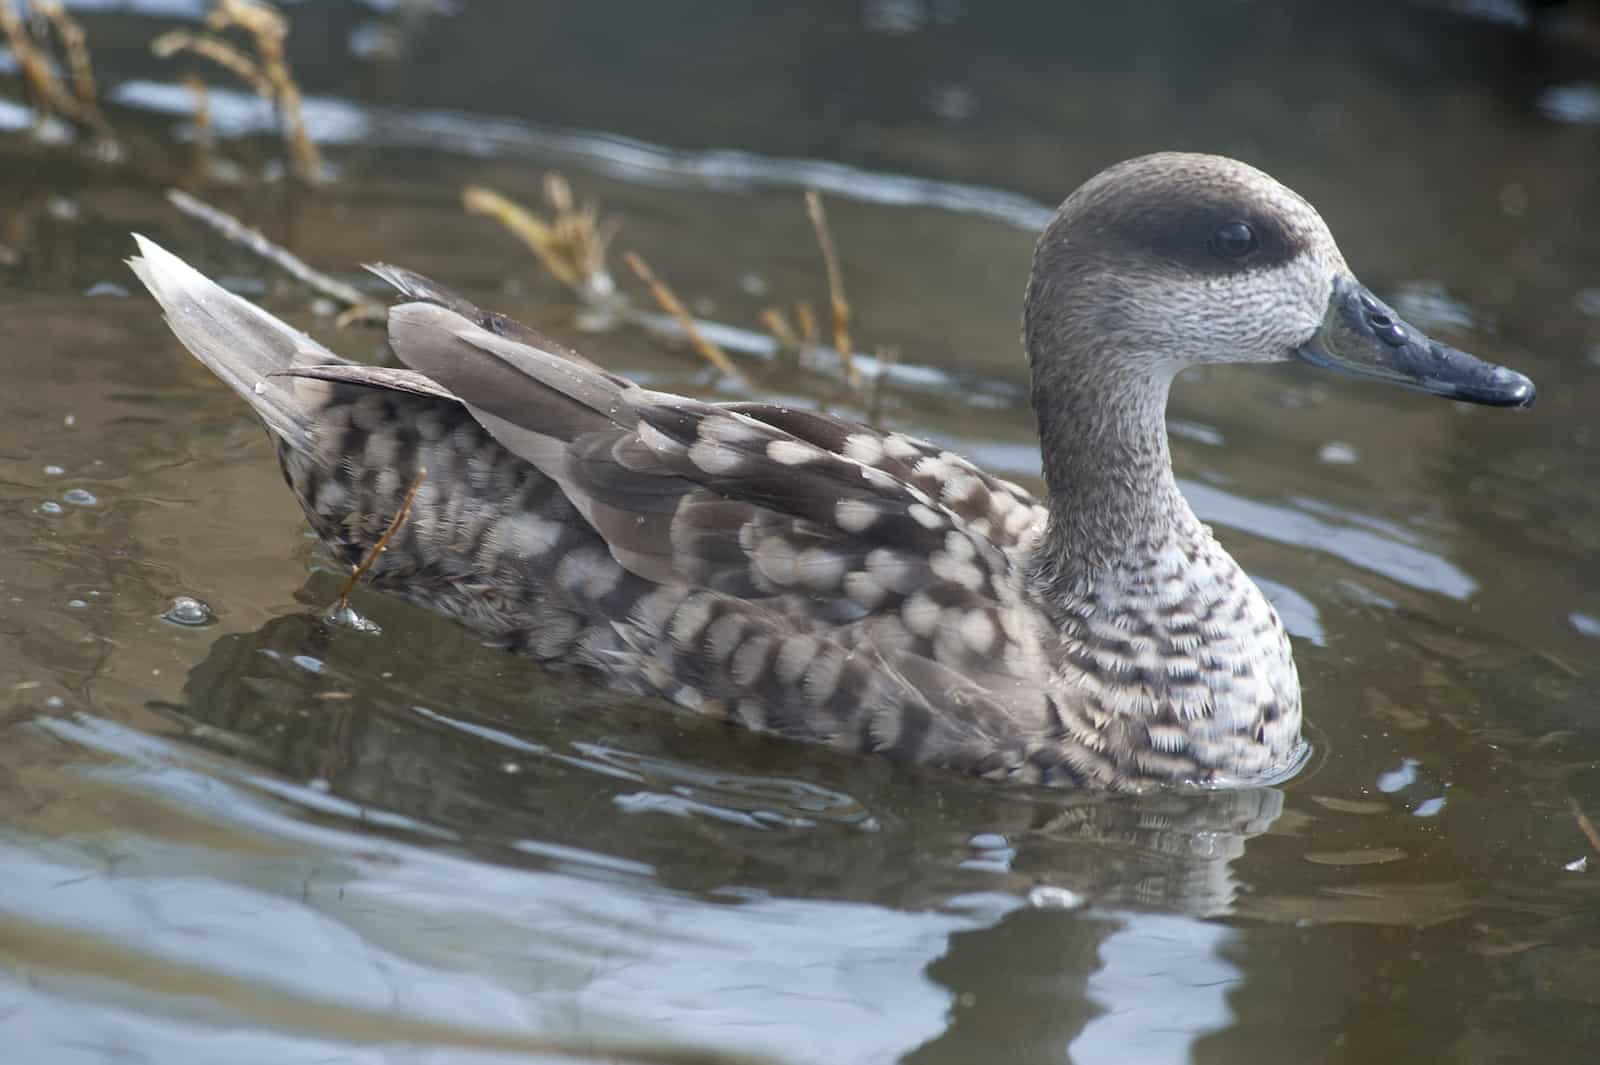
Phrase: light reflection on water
(268,840)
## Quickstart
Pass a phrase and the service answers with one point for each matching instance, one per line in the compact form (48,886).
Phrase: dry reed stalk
(45,91)
(669,302)
(572,245)
(532,230)
(809,330)
(777,323)
(269,28)
(253,240)
(836,296)
(360,569)
(75,43)
(204,134)
(39,82)
(267,74)
(582,235)
(1585,825)
(219,52)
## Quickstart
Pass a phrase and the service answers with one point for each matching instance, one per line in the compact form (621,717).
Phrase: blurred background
(232,832)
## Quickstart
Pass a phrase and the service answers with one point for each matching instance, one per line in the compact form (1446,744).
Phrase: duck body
(800,574)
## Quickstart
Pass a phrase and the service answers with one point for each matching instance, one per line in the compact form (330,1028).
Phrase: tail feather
(239,342)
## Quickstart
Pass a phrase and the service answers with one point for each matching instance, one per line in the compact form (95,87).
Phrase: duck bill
(1362,335)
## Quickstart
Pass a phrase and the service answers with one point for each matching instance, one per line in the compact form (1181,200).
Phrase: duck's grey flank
(804,575)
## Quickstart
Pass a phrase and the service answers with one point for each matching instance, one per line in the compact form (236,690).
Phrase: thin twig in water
(360,569)
(669,302)
(1585,825)
(836,297)
(252,239)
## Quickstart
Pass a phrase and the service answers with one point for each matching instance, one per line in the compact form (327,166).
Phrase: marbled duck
(804,575)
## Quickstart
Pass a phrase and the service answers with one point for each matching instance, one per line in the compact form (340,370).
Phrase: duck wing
(755,501)
(1000,511)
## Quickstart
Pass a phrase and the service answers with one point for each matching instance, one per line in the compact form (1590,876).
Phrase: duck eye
(1234,240)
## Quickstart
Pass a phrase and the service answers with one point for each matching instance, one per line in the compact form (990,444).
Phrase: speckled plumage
(803,575)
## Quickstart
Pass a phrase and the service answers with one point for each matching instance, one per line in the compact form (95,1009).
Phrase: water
(275,838)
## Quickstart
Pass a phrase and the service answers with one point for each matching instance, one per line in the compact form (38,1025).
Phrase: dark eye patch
(1185,234)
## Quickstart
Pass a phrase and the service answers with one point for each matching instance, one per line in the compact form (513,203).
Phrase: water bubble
(345,616)
(50,506)
(79,497)
(188,611)
(77,604)
(53,471)
(70,420)
(55,702)
(106,288)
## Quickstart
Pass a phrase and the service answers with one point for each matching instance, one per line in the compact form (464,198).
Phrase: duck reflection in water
(455,755)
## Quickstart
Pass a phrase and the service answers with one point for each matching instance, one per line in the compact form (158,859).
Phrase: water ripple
(335,121)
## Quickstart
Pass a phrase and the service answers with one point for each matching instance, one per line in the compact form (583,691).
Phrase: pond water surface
(265,839)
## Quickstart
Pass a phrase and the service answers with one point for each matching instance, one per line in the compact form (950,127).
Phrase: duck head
(1176,259)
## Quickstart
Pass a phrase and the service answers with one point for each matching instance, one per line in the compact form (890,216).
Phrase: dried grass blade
(533,231)
(1585,825)
(836,296)
(669,302)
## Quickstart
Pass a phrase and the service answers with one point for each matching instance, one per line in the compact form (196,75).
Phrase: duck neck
(1114,503)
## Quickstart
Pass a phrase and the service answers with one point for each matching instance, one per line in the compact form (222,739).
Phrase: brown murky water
(265,840)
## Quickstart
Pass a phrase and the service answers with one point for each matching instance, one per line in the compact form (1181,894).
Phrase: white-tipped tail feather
(239,342)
